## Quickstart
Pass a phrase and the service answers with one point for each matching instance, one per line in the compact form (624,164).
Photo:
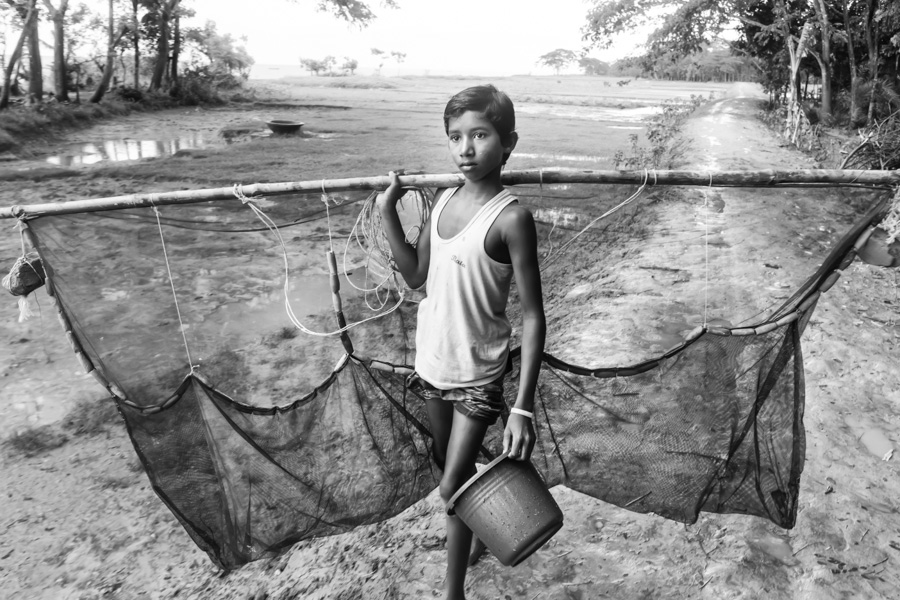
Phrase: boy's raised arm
(411,261)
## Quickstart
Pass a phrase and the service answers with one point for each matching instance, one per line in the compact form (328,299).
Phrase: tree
(354,12)
(328,63)
(593,66)
(114,35)
(165,11)
(29,18)
(29,14)
(80,23)
(855,44)
(350,65)
(380,55)
(824,58)
(135,29)
(60,71)
(399,57)
(313,65)
(688,27)
(223,57)
(557,59)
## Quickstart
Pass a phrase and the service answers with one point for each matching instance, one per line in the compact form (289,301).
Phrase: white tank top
(462,336)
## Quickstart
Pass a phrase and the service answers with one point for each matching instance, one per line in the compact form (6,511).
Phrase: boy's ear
(511,141)
(509,144)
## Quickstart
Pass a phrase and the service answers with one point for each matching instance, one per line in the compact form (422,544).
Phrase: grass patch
(90,416)
(600,102)
(361,84)
(35,441)
(667,146)
(275,338)
(113,482)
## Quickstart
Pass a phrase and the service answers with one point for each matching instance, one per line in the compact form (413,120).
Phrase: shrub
(667,145)
(127,94)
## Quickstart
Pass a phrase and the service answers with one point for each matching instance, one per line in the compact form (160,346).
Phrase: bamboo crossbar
(760,178)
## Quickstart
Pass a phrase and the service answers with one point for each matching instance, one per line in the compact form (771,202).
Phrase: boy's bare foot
(477,551)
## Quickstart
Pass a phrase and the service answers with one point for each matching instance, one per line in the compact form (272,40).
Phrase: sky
(439,37)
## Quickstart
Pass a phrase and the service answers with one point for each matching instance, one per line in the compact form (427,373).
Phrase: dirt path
(81,522)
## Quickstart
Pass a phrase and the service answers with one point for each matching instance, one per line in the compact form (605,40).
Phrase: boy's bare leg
(440,417)
(466,436)
(477,551)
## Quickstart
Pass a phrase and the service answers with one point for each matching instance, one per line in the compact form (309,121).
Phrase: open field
(81,521)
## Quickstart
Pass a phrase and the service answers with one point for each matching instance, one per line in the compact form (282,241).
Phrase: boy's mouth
(467,164)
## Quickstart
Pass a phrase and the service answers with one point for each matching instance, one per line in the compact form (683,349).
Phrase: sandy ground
(80,521)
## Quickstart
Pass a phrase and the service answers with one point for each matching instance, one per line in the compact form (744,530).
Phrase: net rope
(288,306)
(181,325)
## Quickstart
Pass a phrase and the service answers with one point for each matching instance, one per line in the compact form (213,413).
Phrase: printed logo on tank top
(458,261)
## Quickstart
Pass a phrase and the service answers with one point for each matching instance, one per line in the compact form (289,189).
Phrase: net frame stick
(757,178)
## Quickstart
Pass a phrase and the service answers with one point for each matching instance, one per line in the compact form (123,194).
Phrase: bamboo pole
(761,178)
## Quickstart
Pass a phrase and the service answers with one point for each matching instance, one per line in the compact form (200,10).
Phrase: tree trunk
(35,66)
(855,118)
(136,43)
(60,69)
(796,53)
(176,48)
(110,60)
(162,46)
(872,44)
(825,59)
(13,63)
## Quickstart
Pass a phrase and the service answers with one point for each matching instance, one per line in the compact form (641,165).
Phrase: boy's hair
(496,106)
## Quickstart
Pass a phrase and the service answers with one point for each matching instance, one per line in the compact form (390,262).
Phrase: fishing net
(258,430)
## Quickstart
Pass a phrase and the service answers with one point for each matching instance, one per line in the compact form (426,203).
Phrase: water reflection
(127,149)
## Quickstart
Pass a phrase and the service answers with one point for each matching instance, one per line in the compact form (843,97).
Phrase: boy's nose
(467,148)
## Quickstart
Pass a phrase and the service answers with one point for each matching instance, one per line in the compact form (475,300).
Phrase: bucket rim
(472,481)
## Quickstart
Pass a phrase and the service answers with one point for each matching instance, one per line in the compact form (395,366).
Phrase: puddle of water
(773,546)
(876,442)
(309,295)
(126,149)
(873,439)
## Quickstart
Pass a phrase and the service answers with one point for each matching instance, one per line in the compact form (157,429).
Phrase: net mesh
(257,435)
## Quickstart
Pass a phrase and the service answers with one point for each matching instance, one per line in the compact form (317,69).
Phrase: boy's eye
(480,135)
(454,138)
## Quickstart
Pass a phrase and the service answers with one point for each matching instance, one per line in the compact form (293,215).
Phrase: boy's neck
(485,188)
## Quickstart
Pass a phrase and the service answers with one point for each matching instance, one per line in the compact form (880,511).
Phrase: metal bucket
(507,505)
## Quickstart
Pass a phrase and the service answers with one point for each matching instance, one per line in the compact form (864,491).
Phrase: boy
(477,238)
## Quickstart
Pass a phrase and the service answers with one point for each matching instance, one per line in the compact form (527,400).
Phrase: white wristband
(524,413)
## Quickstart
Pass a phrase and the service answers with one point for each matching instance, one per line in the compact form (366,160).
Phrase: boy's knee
(448,486)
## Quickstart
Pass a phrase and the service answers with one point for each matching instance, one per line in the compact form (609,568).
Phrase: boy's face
(475,145)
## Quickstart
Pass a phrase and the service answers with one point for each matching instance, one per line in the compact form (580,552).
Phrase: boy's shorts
(480,402)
